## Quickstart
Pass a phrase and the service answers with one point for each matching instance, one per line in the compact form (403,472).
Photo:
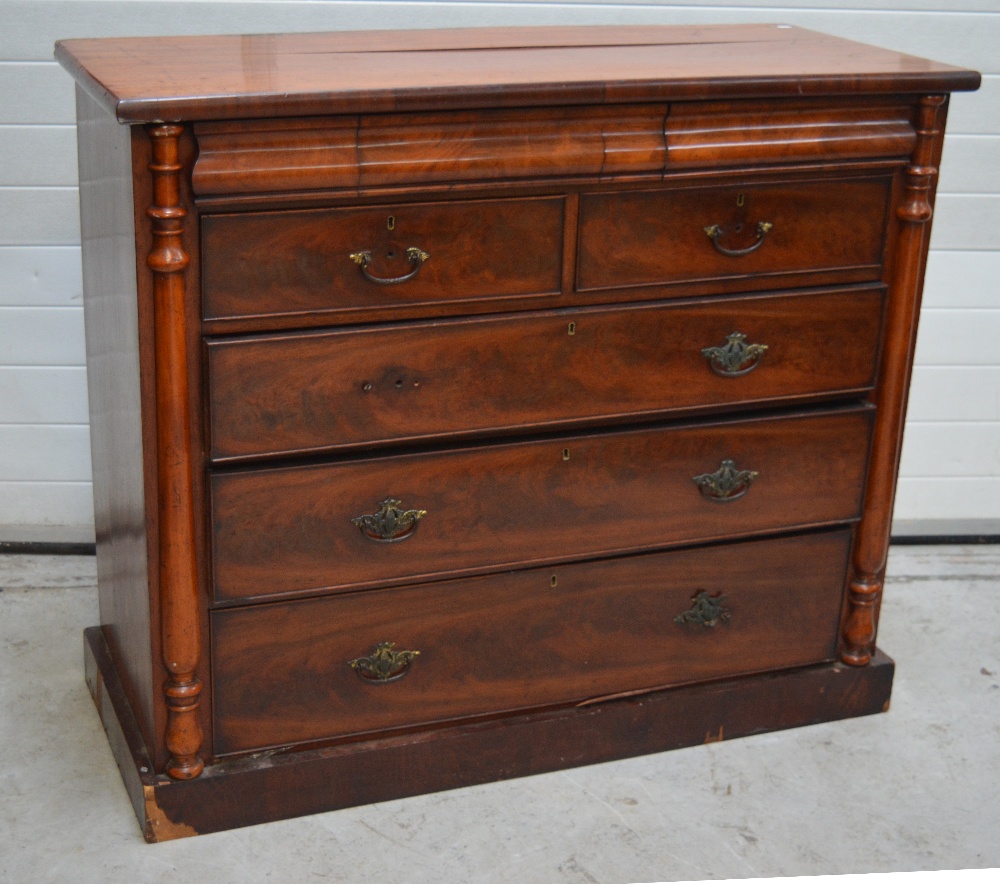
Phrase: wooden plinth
(261,789)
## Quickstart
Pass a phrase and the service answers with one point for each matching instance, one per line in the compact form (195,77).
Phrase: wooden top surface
(221,77)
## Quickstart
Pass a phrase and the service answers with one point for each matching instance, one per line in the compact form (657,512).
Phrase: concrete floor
(915,789)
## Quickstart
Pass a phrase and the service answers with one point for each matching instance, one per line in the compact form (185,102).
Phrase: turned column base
(863,599)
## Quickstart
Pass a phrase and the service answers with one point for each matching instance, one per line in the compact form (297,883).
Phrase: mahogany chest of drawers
(467,404)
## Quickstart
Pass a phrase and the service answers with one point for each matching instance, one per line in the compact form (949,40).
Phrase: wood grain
(703,134)
(321,391)
(401,453)
(116,409)
(834,229)
(179,611)
(515,641)
(492,507)
(913,216)
(247,791)
(288,263)
(387,149)
(293,75)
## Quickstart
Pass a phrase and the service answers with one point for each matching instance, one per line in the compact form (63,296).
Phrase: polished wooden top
(219,77)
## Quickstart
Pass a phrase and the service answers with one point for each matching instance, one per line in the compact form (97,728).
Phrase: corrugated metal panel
(951,466)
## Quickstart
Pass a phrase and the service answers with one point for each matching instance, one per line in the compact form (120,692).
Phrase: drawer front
(831,231)
(290,529)
(282,673)
(314,391)
(411,255)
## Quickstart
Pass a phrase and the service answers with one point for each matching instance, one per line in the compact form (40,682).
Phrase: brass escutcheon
(383,664)
(705,610)
(734,358)
(390,522)
(726,483)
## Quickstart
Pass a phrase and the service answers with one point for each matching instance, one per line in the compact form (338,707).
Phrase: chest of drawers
(469,404)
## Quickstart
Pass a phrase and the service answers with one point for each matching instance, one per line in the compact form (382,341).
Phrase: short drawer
(372,259)
(309,391)
(374,521)
(828,231)
(332,667)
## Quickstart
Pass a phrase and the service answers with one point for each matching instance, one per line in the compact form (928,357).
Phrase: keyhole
(391,223)
(553,582)
(565,454)
(399,384)
(741,199)
(572,328)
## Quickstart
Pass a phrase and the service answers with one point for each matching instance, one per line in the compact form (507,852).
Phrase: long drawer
(372,521)
(828,230)
(336,666)
(358,259)
(308,391)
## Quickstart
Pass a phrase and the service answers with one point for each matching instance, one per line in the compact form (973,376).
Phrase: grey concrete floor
(917,788)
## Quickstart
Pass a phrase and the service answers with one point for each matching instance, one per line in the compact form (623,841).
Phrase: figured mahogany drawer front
(830,230)
(283,673)
(371,521)
(357,259)
(323,390)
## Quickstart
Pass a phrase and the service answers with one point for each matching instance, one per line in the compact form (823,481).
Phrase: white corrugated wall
(951,459)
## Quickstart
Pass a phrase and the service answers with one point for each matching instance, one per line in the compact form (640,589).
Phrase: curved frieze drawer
(286,263)
(710,133)
(373,150)
(312,391)
(372,521)
(822,231)
(333,667)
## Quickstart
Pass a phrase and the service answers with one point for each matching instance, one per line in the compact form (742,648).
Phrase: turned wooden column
(177,572)
(872,546)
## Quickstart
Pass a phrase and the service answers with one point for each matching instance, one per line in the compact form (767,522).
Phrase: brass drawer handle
(390,522)
(734,358)
(726,483)
(415,256)
(715,233)
(383,664)
(706,610)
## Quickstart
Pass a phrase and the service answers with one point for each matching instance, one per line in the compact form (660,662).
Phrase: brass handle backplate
(734,358)
(706,610)
(390,522)
(726,483)
(715,233)
(415,256)
(384,664)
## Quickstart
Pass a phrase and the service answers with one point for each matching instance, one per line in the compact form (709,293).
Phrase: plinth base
(254,790)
